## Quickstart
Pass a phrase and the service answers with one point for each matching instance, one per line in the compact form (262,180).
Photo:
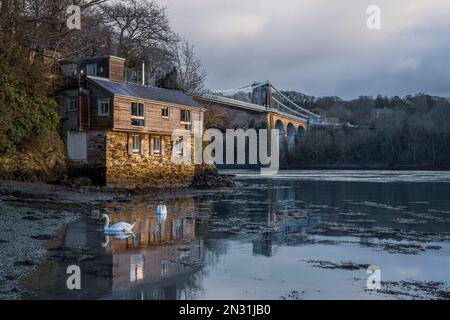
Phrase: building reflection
(163,247)
(165,258)
(137,268)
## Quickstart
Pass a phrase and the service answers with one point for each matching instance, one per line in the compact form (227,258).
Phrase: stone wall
(144,170)
(96,148)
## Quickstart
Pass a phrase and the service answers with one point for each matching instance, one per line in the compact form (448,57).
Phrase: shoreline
(32,220)
(31,214)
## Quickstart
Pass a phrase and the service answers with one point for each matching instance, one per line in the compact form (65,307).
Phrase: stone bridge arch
(291,137)
(301,134)
(283,148)
(291,132)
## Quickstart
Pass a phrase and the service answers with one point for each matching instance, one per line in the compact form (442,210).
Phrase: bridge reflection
(285,231)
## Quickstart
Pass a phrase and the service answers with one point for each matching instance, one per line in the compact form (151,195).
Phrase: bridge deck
(249,106)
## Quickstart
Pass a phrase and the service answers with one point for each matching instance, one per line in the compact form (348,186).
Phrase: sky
(320,47)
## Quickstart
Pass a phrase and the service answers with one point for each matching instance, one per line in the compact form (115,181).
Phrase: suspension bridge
(263,97)
(261,105)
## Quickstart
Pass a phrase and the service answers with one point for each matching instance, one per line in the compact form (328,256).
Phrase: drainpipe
(143,73)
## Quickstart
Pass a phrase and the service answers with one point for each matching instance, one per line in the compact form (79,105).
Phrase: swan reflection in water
(123,236)
(161,217)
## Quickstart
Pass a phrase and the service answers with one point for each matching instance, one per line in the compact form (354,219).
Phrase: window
(91,69)
(103,107)
(164,268)
(165,112)
(72,104)
(137,144)
(157,145)
(137,268)
(186,116)
(137,114)
(137,122)
(179,146)
(137,109)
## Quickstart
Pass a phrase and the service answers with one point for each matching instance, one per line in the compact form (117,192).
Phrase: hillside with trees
(409,132)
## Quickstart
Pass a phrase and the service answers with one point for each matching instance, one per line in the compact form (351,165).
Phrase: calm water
(301,235)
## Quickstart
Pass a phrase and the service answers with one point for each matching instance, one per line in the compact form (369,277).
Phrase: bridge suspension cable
(274,98)
(293,103)
(230,92)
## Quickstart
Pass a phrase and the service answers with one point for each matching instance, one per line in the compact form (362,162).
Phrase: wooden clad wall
(100,122)
(116,69)
(154,122)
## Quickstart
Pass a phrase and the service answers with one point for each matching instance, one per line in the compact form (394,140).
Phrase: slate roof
(145,92)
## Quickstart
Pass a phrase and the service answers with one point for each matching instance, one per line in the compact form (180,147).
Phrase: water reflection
(203,246)
(164,245)
(122,236)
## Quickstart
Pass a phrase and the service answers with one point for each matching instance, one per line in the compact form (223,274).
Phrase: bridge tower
(262,95)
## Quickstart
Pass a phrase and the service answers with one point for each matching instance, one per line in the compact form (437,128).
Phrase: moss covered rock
(42,159)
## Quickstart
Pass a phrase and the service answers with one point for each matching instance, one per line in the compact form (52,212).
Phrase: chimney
(116,69)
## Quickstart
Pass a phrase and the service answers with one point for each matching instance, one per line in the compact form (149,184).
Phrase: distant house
(124,130)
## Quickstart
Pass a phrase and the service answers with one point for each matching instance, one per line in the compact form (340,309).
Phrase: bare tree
(191,76)
(36,26)
(139,23)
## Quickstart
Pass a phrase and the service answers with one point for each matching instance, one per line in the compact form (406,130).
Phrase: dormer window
(91,69)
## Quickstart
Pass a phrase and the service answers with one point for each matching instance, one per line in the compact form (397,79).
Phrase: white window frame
(137,268)
(179,146)
(190,116)
(164,268)
(155,151)
(100,105)
(139,146)
(168,112)
(137,117)
(71,108)
(94,67)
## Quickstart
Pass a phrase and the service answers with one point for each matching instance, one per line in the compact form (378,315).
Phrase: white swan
(119,227)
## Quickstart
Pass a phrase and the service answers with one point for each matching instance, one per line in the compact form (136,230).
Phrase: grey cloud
(320,47)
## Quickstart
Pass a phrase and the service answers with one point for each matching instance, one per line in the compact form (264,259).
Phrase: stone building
(121,131)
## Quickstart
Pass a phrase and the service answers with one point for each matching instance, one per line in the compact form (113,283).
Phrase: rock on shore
(205,180)
(208,177)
